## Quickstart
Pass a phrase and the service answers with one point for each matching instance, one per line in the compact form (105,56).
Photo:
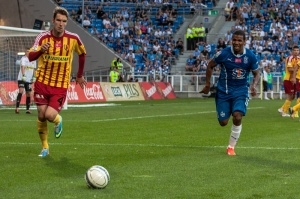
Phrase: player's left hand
(81,81)
(253,91)
(205,90)
(33,79)
(24,78)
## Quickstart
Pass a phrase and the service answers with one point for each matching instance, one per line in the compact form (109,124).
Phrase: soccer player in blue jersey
(236,62)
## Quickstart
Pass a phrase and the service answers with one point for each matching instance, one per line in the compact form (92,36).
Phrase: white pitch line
(167,115)
(148,145)
(133,118)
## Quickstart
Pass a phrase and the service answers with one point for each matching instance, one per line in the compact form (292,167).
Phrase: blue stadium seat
(277,57)
(180,19)
(266,28)
(180,11)
(209,5)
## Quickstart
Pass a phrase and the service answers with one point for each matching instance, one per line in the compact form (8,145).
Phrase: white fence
(183,83)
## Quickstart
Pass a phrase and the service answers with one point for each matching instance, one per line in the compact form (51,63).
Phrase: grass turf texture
(153,149)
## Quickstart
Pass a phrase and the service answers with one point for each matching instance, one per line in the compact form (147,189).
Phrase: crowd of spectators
(143,38)
(272,28)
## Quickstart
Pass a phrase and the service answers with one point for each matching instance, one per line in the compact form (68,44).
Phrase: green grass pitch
(153,149)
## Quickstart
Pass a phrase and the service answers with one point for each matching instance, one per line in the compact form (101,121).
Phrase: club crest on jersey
(238,73)
(246,60)
(66,47)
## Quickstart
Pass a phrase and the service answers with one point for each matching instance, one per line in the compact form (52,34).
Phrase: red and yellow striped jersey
(55,65)
(290,62)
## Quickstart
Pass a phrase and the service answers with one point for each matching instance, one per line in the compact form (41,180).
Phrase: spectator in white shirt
(230,3)
(130,57)
(125,31)
(86,23)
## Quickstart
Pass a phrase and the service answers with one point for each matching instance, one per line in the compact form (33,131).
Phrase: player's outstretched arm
(209,71)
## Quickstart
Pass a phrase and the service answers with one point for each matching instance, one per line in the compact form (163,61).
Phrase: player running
(232,97)
(54,51)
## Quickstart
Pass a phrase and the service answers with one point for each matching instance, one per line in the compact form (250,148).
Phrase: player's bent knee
(223,122)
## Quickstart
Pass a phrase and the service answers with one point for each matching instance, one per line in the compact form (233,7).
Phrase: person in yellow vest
(112,64)
(189,38)
(201,33)
(195,36)
(116,62)
(119,65)
(114,75)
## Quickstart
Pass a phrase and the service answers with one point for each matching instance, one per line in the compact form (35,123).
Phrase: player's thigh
(28,87)
(41,94)
(21,84)
(289,87)
(240,103)
(297,86)
(57,98)
(223,107)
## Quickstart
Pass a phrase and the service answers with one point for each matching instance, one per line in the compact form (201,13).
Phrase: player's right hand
(45,47)
(24,78)
(205,90)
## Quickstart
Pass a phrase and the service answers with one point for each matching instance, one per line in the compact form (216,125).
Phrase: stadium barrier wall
(99,92)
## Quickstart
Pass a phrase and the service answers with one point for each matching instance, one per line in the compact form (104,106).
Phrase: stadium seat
(266,28)
(180,19)
(209,5)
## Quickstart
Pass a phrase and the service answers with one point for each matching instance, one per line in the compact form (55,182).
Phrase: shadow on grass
(64,168)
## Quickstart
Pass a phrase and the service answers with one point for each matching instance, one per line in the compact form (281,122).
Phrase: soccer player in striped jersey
(293,111)
(232,96)
(289,82)
(53,51)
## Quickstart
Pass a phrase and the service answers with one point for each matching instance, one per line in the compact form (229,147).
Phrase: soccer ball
(97,177)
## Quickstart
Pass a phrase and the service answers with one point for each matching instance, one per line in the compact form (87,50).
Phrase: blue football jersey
(235,69)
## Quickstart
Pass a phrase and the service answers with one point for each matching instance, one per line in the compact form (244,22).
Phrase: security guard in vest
(114,75)
(189,38)
(201,33)
(195,36)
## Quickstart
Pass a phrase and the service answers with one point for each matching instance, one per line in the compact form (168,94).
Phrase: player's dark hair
(240,32)
(296,47)
(60,10)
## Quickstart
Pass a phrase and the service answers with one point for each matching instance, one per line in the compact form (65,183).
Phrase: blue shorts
(226,104)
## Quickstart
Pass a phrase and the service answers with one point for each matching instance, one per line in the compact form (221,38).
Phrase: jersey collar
(238,55)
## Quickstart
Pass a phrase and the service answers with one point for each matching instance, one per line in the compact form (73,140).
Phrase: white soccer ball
(97,177)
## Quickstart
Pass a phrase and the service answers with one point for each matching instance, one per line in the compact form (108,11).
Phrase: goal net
(13,43)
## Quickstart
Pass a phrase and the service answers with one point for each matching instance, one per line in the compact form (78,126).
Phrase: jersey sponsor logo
(56,58)
(238,73)
(238,60)
(57,45)
(29,67)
